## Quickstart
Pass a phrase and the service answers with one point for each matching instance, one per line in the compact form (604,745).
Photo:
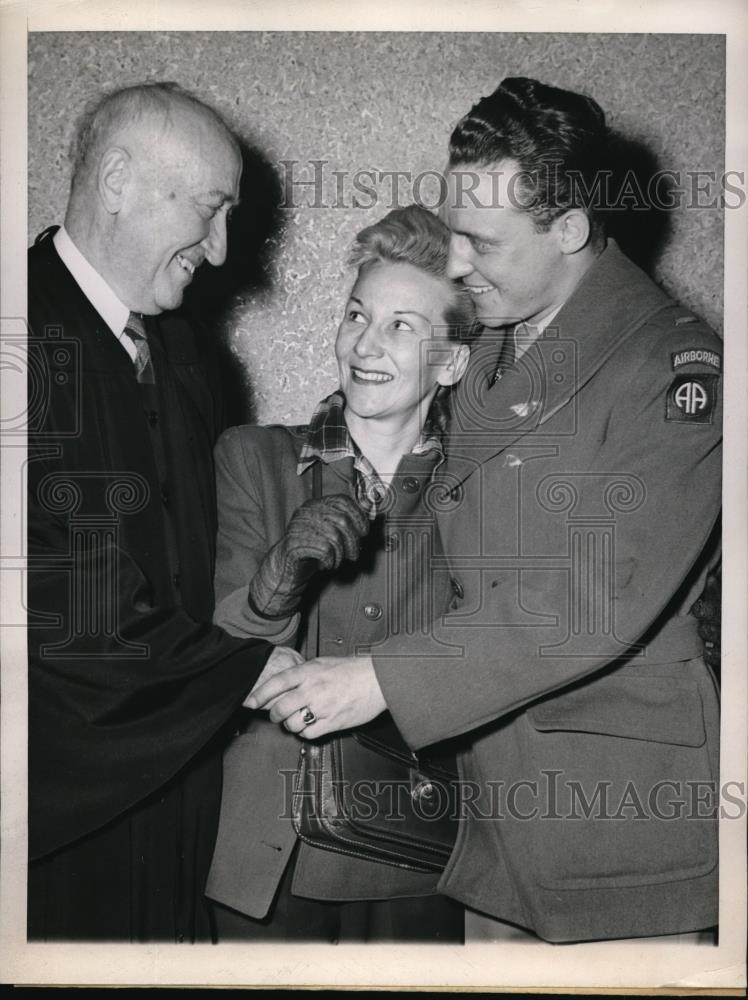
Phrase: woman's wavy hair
(415,236)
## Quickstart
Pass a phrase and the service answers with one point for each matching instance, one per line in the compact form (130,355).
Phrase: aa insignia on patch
(692,398)
(696,357)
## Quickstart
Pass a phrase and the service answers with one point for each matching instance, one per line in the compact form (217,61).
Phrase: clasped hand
(341,692)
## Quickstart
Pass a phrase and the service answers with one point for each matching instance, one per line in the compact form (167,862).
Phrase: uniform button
(164,496)
(152,418)
(457,588)
(410,484)
(423,790)
(176,580)
(373,612)
(391,542)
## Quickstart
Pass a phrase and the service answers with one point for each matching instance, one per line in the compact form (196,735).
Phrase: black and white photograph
(374,501)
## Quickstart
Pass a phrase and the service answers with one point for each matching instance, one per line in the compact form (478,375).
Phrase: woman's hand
(339,692)
(320,535)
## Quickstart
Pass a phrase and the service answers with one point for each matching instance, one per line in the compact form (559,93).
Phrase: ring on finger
(307,715)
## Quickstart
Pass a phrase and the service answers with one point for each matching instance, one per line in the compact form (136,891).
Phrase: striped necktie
(135,327)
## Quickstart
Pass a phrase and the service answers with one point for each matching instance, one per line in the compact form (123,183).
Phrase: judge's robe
(131,689)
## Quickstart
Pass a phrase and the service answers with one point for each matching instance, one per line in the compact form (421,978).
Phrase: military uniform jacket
(388,588)
(579,506)
(130,683)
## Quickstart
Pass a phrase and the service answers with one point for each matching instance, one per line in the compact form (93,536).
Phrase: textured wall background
(381,102)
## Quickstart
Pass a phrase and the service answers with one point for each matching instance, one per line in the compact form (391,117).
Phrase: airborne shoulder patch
(696,356)
(692,398)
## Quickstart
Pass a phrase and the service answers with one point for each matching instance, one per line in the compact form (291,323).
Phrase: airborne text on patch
(699,357)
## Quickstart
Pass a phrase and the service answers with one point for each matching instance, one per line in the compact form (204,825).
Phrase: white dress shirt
(106,303)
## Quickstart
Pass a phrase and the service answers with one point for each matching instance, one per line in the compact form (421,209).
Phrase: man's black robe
(130,687)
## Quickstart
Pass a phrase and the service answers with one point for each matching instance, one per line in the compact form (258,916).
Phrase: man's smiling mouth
(359,375)
(185,264)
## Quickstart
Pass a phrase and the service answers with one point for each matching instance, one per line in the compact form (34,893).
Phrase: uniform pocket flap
(658,709)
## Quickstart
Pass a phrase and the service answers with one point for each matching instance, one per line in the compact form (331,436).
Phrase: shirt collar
(104,300)
(328,437)
(329,440)
(526,334)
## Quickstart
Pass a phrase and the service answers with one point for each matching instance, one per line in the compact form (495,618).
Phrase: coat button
(423,790)
(152,418)
(457,588)
(176,580)
(373,612)
(411,484)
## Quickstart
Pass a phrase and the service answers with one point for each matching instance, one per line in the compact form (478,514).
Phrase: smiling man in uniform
(579,513)
(130,686)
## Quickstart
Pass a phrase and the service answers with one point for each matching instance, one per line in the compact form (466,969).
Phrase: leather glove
(708,610)
(321,534)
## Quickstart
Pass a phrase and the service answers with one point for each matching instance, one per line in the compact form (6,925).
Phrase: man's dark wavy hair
(558,139)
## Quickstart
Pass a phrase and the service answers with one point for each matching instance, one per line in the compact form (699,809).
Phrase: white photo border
(627,965)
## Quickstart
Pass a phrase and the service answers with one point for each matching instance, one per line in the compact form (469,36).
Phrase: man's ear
(572,230)
(114,172)
(455,369)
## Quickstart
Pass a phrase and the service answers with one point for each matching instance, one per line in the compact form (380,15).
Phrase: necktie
(135,327)
(507,354)
(516,342)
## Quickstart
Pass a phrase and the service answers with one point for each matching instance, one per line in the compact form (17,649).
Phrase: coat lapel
(612,301)
(101,351)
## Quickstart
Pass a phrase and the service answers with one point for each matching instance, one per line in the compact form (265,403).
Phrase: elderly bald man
(130,688)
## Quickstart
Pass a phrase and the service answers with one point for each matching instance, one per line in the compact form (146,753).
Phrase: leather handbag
(365,793)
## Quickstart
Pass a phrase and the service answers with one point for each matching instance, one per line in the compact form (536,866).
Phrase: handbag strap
(312,628)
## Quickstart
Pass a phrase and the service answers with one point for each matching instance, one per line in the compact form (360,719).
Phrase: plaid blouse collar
(329,440)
